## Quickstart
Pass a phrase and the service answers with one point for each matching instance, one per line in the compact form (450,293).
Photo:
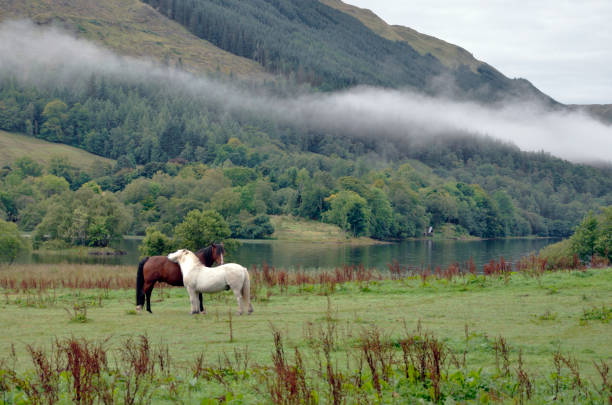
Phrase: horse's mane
(207,253)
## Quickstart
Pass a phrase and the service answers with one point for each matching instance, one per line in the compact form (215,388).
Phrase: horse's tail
(140,296)
(246,291)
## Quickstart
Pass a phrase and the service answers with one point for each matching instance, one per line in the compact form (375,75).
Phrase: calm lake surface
(312,256)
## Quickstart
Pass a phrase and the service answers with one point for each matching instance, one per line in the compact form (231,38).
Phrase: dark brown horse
(159,269)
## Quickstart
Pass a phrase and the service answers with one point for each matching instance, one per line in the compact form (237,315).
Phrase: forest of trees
(305,38)
(175,154)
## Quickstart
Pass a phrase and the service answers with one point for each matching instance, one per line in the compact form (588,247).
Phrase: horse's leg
(148,293)
(202,309)
(238,295)
(246,292)
(147,290)
(193,299)
(141,296)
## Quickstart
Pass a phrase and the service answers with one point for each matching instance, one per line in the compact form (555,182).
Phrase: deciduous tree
(11,242)
(201,228)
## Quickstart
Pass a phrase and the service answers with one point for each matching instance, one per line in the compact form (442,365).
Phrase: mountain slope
(331,50)
(130,27)
(450,55)
(477,79)
(318,44)
(329,44)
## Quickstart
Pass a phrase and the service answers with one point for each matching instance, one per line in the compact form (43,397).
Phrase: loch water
(415,254)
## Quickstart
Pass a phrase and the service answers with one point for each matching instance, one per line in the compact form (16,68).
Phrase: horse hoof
(195,312)
(138,308)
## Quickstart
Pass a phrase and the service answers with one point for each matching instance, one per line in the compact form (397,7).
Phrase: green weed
(603,314)
(548,316)
(78,312)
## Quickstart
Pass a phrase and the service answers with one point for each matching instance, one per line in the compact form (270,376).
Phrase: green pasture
(15,145)
(536,314)
(296,229)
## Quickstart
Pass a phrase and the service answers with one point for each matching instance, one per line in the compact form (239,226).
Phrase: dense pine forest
(316,44)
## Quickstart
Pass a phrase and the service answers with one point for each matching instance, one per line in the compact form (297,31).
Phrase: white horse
(199,278)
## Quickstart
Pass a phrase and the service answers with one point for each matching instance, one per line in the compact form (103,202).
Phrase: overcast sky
(564,47)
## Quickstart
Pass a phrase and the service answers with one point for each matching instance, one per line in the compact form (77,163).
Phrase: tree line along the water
(175,153)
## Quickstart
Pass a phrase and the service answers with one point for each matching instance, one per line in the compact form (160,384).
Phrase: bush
(53,244)
(11,242)
(155,243)
(257,227)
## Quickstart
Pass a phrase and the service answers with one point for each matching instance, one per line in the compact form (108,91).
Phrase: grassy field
(301,230)
(481,323)
(13,146)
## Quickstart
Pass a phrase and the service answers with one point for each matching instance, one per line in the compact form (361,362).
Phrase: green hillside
(450,55)
(331,49)
(327,44)
(130,27)
(14,146)
(320,45)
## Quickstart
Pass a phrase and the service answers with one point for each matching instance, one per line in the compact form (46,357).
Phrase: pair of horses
(162,269)
(199,278)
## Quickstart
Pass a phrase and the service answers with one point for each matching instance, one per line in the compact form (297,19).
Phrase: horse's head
(217,251)
(177,256)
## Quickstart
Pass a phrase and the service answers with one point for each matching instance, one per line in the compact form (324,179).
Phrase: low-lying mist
(49,56)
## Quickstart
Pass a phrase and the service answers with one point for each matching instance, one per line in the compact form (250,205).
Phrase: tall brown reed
(424,358)
(85,361)
(502,353)
(47,372)
(289,385)
(379,355)
(139,371)
(525,386)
